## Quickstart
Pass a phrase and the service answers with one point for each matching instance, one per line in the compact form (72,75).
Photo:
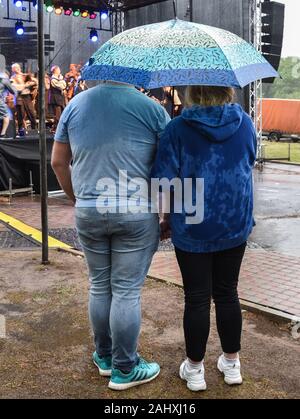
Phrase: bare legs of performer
(5,124)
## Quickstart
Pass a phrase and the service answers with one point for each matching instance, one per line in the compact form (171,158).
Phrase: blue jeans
(119,249)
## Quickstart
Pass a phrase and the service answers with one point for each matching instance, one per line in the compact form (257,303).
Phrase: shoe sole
(103,373)
(192,387)
(228,381)
(195,388)
(121,387)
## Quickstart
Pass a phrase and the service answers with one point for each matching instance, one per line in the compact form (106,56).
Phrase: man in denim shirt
(105,131)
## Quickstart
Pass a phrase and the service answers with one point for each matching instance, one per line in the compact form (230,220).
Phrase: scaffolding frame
(117,16)
(255,91)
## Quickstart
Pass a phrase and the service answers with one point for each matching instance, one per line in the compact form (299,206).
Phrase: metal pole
(255,92)
(42,134)
(175,9)
(191,10)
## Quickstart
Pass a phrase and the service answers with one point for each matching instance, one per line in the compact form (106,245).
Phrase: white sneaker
(195,378)
(232,372)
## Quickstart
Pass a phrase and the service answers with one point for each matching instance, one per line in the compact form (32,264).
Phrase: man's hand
(61,164)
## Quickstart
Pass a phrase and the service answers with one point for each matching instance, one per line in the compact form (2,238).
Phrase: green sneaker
(142,373)
(103,364)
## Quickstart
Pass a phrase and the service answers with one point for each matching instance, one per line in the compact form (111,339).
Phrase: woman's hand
(165,228)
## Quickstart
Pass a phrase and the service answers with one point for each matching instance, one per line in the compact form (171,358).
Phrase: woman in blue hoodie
(212,144)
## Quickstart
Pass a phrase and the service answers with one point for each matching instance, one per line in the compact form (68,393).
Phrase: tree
(288,87)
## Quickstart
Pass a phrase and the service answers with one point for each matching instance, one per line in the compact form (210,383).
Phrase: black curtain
(18,158)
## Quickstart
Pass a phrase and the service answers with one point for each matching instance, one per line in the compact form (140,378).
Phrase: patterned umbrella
(176,53)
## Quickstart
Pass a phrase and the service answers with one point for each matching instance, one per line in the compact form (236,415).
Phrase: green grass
(281,151)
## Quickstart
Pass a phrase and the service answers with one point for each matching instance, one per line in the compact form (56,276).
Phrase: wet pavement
(277,209)
(268,279)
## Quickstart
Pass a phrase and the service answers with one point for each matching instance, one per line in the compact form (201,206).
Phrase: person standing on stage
(18,82)
(5,86)
(25,84)
(81,86)
(72,78)
(47,92)
(168,99)
(29,95)
(57,97)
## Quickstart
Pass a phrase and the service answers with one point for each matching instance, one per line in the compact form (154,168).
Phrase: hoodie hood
(216,123)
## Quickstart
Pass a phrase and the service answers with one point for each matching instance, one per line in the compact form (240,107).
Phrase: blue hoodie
(218,145)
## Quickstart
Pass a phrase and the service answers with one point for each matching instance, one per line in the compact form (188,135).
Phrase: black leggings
(205,276)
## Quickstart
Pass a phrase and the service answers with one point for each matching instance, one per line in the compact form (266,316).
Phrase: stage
(19,158)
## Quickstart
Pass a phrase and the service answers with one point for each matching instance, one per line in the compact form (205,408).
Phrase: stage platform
(19,158)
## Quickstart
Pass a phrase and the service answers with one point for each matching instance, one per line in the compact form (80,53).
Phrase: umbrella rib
(217,43)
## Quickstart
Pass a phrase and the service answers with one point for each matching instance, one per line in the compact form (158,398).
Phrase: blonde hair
(208,95)
(15,65)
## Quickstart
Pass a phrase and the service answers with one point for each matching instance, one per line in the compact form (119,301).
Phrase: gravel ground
(47,352)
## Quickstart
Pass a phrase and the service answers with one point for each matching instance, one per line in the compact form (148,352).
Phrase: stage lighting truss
(68,11)
(18,3)
(49,6)
(93,15)
(60,8)
(19,26)
(94,35)
(255,89)
(58,11)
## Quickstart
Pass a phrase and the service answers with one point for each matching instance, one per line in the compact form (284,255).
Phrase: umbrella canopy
(176,53)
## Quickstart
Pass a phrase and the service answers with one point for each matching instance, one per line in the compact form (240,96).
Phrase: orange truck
(281,119)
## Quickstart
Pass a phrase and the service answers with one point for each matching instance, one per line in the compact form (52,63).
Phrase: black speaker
(274,60)
(272,37)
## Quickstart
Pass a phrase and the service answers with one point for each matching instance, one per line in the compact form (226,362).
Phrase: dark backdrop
(232,15)
(18,158)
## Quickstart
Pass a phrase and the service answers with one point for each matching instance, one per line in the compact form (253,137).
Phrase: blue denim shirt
(110,128)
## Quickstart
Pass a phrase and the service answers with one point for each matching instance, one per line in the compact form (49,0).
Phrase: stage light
(104,15)
(68,12)
(49,6)
(93,15)
(76,12)
(94,35)
(19,28)
(58,11)
(18,3)
(84,14)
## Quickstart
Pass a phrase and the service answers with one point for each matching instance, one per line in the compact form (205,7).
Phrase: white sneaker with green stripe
(142,373)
